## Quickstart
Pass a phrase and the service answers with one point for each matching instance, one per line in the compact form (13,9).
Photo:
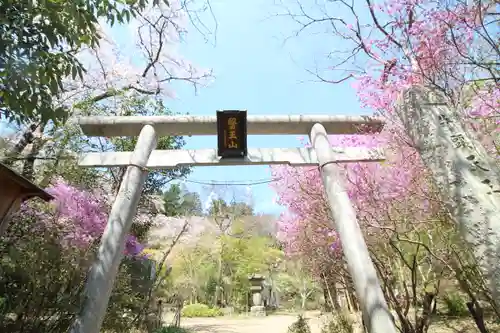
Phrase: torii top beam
(207,125)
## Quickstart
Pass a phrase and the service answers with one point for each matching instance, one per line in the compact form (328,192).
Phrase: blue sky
(256,71)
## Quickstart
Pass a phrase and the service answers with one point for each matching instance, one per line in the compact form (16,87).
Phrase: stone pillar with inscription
(467,177)
(257,308)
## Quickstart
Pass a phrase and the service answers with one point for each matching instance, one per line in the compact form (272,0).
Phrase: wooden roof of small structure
(29,189)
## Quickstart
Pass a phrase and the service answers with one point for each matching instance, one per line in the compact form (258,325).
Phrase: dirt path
(269,324)
(280,323)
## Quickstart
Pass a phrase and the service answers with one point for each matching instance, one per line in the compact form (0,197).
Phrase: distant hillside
(160,237)
(169,227)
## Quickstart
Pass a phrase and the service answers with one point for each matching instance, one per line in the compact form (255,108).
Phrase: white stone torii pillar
(104,270)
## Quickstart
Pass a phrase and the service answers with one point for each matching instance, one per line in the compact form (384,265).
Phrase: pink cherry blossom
(78,216)
(422,42)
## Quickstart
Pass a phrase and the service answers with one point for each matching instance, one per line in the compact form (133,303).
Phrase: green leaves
(180,202)
(132,106)
(217,266)
(38,44)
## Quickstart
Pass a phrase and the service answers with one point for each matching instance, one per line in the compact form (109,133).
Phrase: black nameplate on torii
(232,134)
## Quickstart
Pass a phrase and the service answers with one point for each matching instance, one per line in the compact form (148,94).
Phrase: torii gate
(104,270)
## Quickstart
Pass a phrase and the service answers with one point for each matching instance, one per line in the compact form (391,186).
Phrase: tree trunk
(48,176)
(25,139)
(33,150)
(218,293)
(347,295)
(477,314)
(350,293)
(335,298)
(328,305)
(467,178)
(353,298)
(331,296)
(117,180)
(423,321)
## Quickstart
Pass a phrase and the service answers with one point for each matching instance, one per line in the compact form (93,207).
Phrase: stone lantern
(256,287)
(15,190)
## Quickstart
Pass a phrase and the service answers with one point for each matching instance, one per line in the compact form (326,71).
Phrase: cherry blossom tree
(305,227)
(130,73)
(431,69)
(393,44)
(136,61)
(146,62)
(52,245)
(77,217)
(402,218)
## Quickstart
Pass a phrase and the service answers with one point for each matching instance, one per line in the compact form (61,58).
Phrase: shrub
(299,326)
(172,329)
(455,304)
(340,323)
(200,310)
(45,255)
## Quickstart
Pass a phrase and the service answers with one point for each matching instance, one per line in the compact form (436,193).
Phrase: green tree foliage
(64,143)
(39,41)
(196,269)
(219,208)
(296,283)
(215,270)
(145,106)
(134,105)
(178,201)
(193,272)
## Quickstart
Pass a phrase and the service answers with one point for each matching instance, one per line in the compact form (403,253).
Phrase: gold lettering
(232,143)
(232,122)
(231,135)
